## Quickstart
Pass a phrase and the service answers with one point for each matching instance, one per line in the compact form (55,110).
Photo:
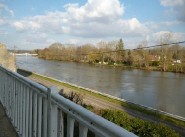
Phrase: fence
(37,111)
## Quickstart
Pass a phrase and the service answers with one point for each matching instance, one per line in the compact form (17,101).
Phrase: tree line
(163,58)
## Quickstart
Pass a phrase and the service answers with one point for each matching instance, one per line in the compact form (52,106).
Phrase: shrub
(154,63)
(137,126)
(76,98)
(73,96)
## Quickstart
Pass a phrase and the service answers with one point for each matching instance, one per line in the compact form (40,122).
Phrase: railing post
(27,111)
(24,111)
(20,95)
(52,114)
(60,124)
(49,113)
(16,107)
(44,118)
(82,131)
(70,126)
(39,116)
(30,112)
(34,134)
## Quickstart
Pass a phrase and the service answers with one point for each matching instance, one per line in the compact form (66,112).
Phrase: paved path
(6,128)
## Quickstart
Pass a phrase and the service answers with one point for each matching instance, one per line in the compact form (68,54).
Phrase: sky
(35,24)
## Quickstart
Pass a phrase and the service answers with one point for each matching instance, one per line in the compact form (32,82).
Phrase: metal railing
(37,111)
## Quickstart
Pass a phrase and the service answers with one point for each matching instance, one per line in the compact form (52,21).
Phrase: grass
(125,104)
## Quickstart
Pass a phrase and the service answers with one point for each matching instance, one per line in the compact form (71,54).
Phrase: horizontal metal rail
(37,111)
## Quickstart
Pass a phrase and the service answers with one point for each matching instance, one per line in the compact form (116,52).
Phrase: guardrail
(37,111)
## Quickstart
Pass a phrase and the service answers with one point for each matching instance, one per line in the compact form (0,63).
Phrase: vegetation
(164,58)
(6,59)
(137,126)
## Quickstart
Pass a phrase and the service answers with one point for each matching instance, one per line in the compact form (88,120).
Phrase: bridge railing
(37,111)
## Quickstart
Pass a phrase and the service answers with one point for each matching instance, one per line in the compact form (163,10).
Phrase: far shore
(150,68)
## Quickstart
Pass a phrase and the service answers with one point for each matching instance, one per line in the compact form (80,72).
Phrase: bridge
(37,111)
(23,54)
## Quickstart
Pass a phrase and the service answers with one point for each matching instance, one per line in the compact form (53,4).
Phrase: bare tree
(165,39)
(143,53)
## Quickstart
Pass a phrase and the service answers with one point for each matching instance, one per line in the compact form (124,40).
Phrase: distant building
(177,61)
(154,58)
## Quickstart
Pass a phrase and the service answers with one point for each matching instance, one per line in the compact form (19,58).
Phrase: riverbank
(106,101)
(178,68)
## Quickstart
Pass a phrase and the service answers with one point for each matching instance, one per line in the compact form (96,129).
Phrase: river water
(161,90)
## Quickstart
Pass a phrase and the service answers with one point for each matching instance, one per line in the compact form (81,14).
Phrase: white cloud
(161,25)
(4,18)
(11,12)
(2,21)
(172,3)
(176,7)
(175,36)
(94,19)
(5,8)
(26,25)
(2,32)
(95,10)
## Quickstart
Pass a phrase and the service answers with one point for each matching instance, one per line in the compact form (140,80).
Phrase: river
(161,90)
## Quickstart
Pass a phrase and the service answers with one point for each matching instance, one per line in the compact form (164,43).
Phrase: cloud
(174,36)
(26,25)
(172,3)
(5,12)
(176,7)
(2,32)
(96,10)
(92,20)
(162,25)
(6,9)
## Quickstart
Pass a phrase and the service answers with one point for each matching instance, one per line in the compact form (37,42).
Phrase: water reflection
(164,91)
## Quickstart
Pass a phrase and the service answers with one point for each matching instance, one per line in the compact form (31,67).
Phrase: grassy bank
(129,105)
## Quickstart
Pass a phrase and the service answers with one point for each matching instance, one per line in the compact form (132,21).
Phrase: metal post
(70,126)
(27,111)
(24,111)
(60,124)
(49,113)
(30,112)
(34,115)
(82,130)
(52,114)
(21,108)
(39,116)
(44,118)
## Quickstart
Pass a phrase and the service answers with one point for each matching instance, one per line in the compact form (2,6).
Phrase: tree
(120,54)
(143,53)
(130,59)
(165,56)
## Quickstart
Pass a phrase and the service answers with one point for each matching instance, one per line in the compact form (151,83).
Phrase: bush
(76,98)
(137,126)
(154,63)
(73,96)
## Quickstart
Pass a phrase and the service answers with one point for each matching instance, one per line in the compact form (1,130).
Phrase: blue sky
(31,24)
